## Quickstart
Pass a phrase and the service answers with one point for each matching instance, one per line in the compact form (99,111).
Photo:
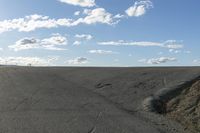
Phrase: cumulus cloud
(24,61)
(51,43)
(82,3)
(102,52)
(166,44)
(78,61)
(33,22)
(158,60)
(98,15)
(139,8)
(84,36)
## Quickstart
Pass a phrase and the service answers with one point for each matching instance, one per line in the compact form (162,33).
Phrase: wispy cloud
(24,61)
(158,60)
(175,51)
(139,8)
(33,22)
(77,61)
(51,43)
(82,3)
(119,16)
(84,36)
(187,52)
(196,61)
(77,43)
(98,51)
(167,44)
(173,44)
(126,43)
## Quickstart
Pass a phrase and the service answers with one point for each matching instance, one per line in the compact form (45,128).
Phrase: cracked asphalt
(85,100)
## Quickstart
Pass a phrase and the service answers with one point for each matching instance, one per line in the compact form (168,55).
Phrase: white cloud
(77,13)
(139,8)
(196,61)
(187,52)
(78,61)
(178,51)
(24,61)
(160,53)
(51,43)
(165,44)
(84,36)
(33,22)
(52,59)
(119,16)
(130,55)
(174,51)
(86,11)
(125,43)
(98,15)
(116,60)
(77,43)
(82,3)
(1,49)
(158,60)
(102,52)
(25,43)
(173,44)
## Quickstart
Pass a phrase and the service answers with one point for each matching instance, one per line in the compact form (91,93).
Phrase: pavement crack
(26,99)
(92,130)
(103,85)
(20,103)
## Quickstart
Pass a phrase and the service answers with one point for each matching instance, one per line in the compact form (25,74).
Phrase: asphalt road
(85,100)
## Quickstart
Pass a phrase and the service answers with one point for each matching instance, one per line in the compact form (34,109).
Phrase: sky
(126,33)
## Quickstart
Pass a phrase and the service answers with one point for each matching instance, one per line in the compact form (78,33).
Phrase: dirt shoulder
(185,108)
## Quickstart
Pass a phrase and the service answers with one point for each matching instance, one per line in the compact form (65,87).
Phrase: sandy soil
(85,100)
(185,108)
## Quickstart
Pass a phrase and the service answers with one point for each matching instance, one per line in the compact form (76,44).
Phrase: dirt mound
(185,108)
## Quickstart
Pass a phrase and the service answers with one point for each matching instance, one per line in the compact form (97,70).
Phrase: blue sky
(100,32)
